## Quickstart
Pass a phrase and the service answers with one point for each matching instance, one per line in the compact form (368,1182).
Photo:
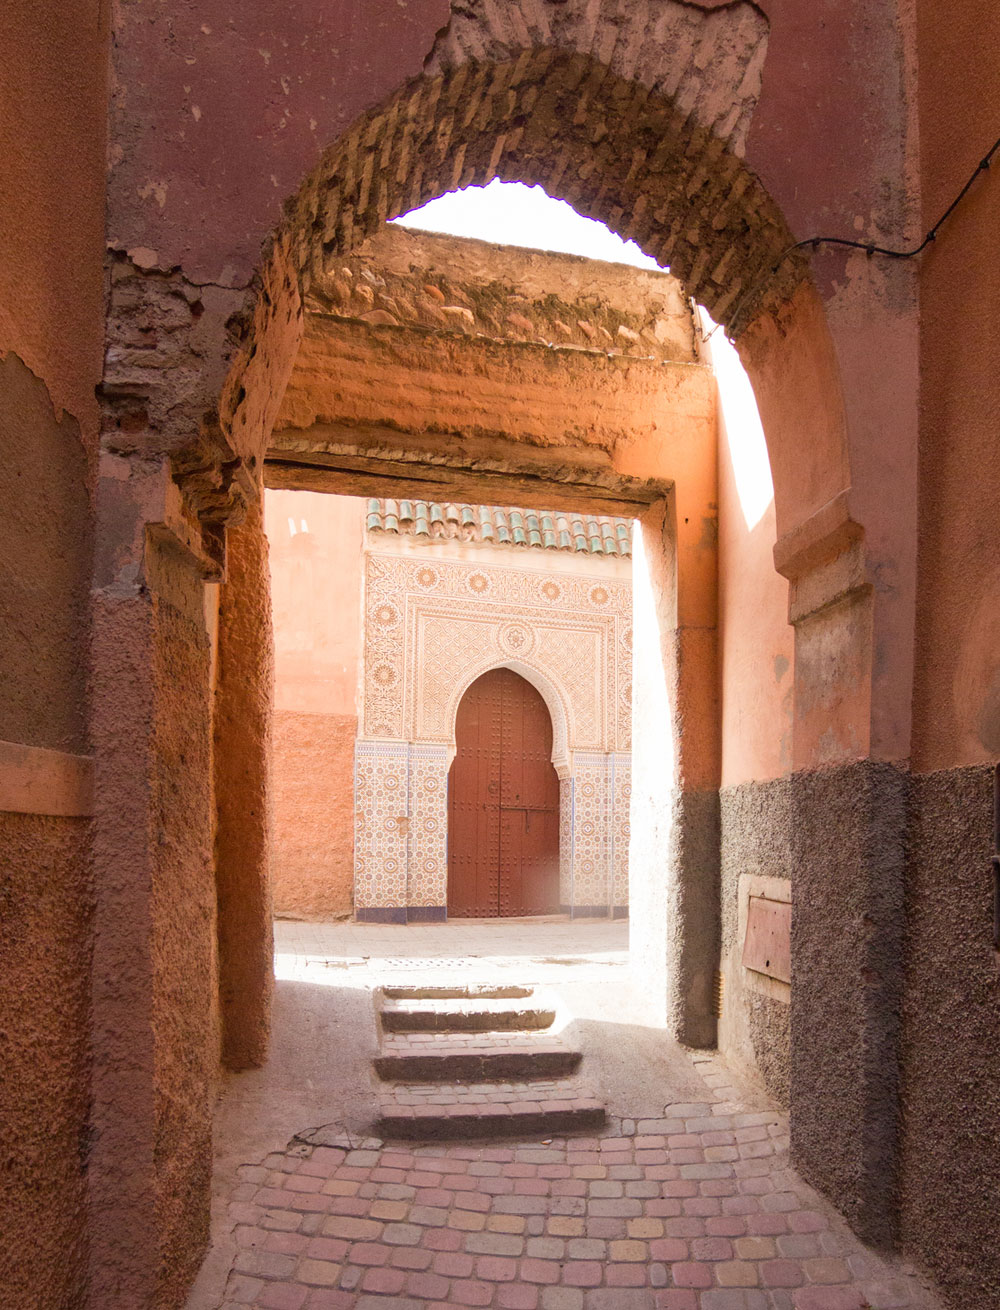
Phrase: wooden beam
(471,488)
(382,462)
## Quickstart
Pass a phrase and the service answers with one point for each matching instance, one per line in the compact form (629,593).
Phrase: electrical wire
(870,248)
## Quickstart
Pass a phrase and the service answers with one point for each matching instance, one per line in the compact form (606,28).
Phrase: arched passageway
(656,153)
(503,803)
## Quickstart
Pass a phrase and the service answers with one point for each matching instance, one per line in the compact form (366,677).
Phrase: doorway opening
(452,726)
(447,373)
(503,803)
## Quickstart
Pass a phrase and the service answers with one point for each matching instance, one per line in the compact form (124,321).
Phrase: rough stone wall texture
(949,1066)
(312,864)
(756,841)
(406,278)
(849,827)
(47,552)
(709,61)
(53,115)
(404,380)
(183,1016)
(45,915)
(244,691)
(949,1059)
(154,1022)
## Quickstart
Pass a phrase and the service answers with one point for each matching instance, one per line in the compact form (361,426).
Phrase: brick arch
(657,162)
(616,151)
(661,168)
(642,162)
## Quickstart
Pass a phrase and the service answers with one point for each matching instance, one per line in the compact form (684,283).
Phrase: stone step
(483,991)
(459,1110)
(465,1014)
(473,1057)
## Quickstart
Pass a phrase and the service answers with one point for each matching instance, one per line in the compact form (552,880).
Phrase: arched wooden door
(503,803)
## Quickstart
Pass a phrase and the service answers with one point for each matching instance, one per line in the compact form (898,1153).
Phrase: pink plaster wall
(316,600)
(957,694)
(53,108)
(756,641)
(312,851)
(219,113)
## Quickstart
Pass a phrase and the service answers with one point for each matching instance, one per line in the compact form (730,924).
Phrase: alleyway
(683,1201)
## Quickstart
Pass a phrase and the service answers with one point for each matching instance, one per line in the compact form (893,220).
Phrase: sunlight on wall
(740,423)
(513,214)
(652,909)
(651,703)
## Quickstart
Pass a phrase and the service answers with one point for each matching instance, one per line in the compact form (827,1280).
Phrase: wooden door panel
(503,802)
(474,806)
(529,862)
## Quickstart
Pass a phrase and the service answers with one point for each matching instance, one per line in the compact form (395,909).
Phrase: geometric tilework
(432,626)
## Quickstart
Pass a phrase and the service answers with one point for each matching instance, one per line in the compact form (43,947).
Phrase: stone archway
(621,150)
(575,110)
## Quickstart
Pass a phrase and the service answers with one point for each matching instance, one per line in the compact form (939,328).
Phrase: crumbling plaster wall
(53,82)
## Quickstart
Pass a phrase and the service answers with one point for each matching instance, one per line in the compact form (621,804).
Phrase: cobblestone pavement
(697,1209)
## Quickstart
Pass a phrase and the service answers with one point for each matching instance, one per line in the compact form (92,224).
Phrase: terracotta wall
(756,674)
(957,694)
(219,114)
(950,1056)
(52,137)
(316,596)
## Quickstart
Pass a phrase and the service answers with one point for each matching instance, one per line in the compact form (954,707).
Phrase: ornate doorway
(503,803)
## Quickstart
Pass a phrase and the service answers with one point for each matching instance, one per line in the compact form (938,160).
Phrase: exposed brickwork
(636,121)
(615,149)
(709,61)
(169,345)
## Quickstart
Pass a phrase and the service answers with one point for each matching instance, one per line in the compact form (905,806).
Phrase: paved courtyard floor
(686,1201)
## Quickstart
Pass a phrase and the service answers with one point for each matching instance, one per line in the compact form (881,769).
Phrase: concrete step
(460,1110)
(473,1057)
(465,1014)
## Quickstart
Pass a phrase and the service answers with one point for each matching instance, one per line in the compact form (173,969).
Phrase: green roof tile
(507,525)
